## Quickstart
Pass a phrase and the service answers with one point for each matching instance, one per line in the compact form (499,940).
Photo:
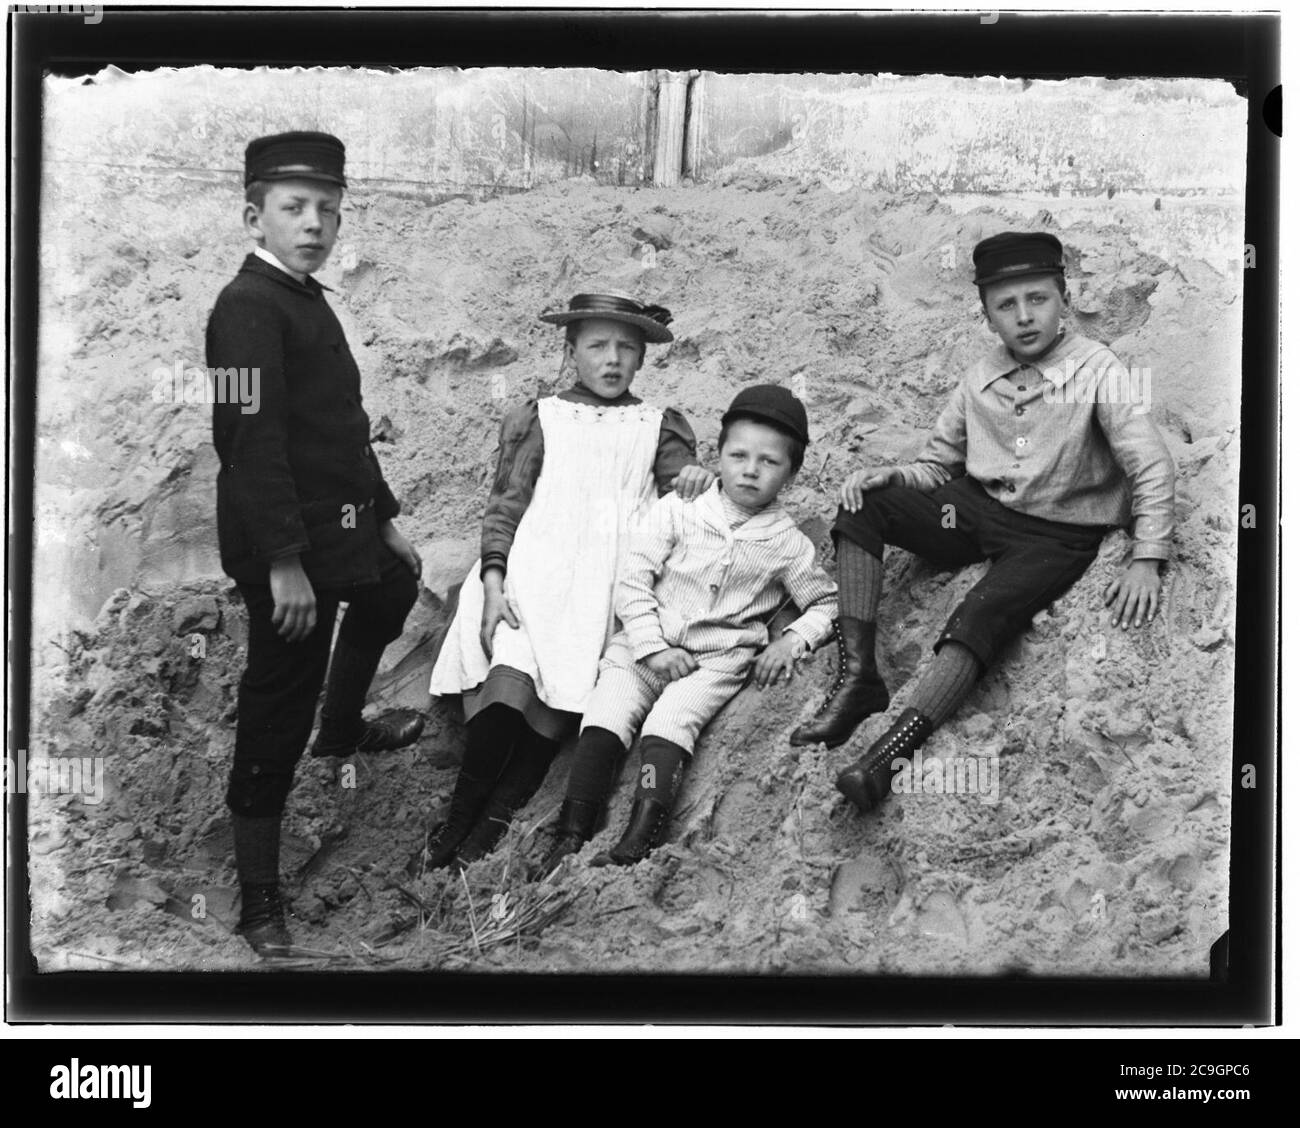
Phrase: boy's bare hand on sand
(693,481)
(294,616)
(777,662)
(671,664)
(1135,594)
(495,609)
(861,481)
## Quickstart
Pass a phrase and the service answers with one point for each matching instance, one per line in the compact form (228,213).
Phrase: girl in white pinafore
(574,471)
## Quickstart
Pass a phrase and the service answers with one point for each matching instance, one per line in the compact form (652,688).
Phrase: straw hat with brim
(652,320)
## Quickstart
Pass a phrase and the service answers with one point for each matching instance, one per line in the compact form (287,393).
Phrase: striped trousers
(629,697)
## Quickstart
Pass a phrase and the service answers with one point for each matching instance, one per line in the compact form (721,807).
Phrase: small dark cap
(611,305)
(1014,254)
(292,156)
(772,404)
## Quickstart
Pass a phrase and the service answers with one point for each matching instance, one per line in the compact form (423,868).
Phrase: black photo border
(1243,48)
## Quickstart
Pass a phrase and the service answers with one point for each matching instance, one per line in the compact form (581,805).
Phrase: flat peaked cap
(299,155)
(1014,254)
(611,305)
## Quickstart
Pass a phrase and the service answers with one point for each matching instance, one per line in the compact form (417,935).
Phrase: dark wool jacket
(297,475)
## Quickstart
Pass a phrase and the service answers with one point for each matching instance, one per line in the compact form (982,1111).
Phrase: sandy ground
(1107,850)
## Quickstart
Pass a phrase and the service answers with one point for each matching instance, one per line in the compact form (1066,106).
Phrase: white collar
(1071,352)
(266,256)
(768,522)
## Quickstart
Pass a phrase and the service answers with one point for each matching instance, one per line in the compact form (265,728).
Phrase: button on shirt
(1068,438)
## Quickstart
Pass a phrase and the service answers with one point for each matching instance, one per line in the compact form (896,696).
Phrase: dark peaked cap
(291,156)
(1014,254)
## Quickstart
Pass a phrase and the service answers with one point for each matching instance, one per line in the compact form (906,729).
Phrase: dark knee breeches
(282,680)
(1034,561)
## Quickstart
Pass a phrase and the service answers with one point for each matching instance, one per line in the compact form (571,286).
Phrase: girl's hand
(1135,593)
(496,608)
(671,664)
(400,547)
(860,481)
(693,481)
(778,660)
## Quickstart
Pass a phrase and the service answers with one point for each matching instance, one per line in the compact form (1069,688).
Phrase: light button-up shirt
(1067,438)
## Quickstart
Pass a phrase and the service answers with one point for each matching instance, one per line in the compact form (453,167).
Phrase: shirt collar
(1066,357)
(580,393)
(269,267)
(735,513)
(267,256)
(765,523)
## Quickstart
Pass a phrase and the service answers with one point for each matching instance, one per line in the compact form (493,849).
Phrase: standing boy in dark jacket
(304,516)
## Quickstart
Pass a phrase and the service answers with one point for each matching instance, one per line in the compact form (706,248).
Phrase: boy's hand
(1135,594)
(400,547)
(495,608)
(693,481)
(294,616)
(860,481)
(671,664)
(778,660)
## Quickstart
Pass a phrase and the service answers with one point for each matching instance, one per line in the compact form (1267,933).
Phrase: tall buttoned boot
(858,690)
(867,783)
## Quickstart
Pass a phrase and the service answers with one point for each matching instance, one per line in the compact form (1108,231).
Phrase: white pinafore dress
(597,480)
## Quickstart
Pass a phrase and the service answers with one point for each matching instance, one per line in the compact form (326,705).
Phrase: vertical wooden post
(696,93)
(650,123)
(670,136)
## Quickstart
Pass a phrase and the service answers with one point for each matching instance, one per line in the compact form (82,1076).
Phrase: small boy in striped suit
(700,580)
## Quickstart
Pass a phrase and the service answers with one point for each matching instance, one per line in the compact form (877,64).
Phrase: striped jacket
(692,581)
